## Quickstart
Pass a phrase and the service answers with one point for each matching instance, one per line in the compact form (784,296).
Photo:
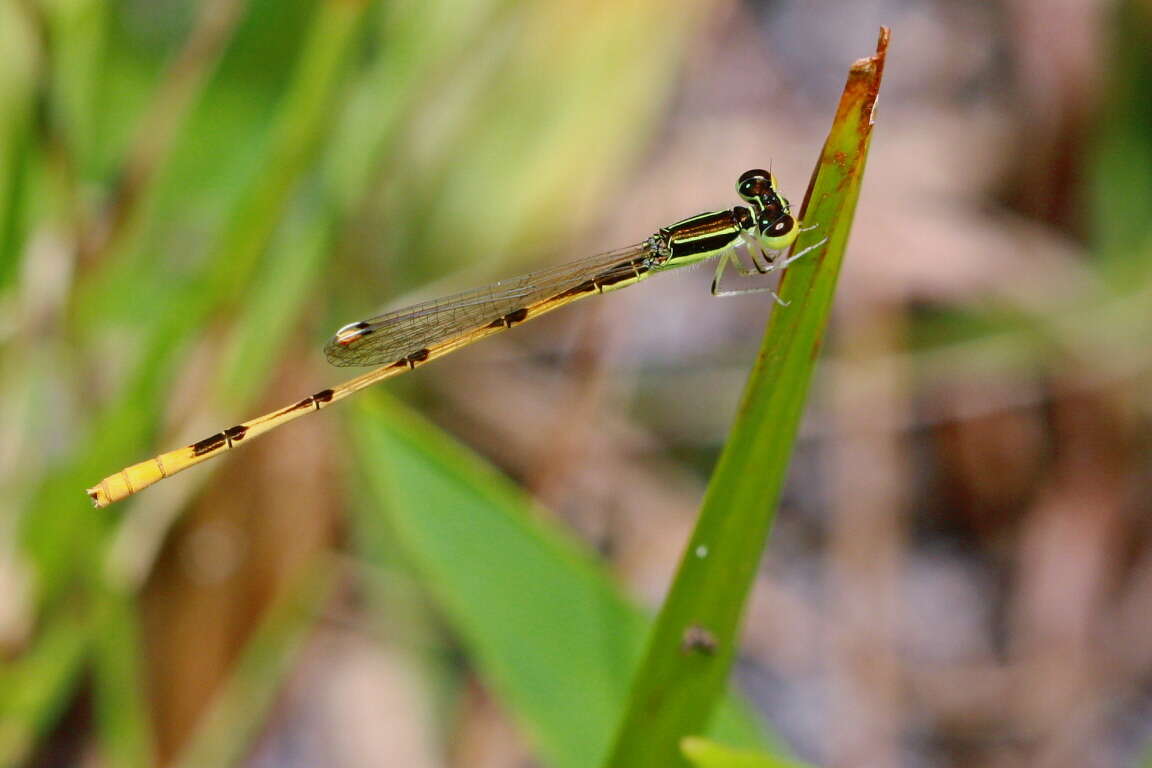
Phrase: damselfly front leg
(770,266)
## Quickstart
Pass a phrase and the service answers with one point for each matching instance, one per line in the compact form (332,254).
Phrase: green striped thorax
(767,221)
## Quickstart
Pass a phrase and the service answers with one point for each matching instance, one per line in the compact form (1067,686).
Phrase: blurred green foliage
(550,629)
(704,753)
(185,191)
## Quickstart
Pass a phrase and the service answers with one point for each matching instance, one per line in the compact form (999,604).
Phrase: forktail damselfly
(400,340)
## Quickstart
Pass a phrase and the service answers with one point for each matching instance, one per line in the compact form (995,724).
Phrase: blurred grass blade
(34,688)
(240,710)
(17,105)
(691,651)
(122,712)
(705,753)
(545,624)
(1120,198)
(59,543)
(158,128)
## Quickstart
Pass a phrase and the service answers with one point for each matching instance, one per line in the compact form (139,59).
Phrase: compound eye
(780,233)
(754,183)
(781,227)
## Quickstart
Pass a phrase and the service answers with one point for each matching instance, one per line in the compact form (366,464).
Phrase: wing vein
(393,335)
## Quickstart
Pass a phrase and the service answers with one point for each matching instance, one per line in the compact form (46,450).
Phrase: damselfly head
(774,222)
(759,188)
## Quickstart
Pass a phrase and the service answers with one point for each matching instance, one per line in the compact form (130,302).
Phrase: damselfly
(749,239)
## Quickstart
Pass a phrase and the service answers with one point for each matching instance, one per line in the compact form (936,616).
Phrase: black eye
(781,227)
(755,173)
(754,183)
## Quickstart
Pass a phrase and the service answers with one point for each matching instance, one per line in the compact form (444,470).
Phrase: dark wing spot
(353,333)
(498,323)
(323,396)
(418,356)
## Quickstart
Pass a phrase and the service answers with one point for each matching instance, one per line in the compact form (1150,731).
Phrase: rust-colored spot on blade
(864,80)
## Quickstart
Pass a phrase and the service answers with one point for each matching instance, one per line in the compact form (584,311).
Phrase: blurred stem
(159,127)
(1122,188)
(298,132)
(17,143)
(122,713)
(35,687)
(238,711)
(48,115)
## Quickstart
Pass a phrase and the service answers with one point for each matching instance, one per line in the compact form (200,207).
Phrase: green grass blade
(122,714)
(1121,199)
(705,753)
(547,627)
(691,651)
(526,602)
(35,687)
(17,104)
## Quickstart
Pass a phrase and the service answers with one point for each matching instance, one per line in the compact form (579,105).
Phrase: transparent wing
(396,334)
